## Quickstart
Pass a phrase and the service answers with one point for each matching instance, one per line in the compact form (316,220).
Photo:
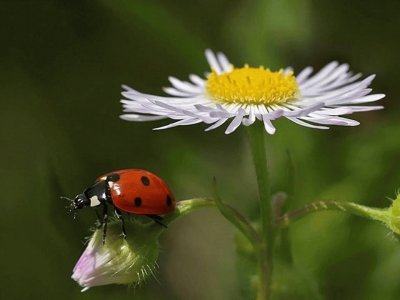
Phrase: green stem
(184,207)
(256,136)
(376,214)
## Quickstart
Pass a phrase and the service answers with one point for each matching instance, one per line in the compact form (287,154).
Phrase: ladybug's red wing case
(140,192)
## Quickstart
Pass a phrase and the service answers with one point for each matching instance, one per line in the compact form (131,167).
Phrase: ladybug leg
(105,221)
(119,216)
(99,221)
(157,219)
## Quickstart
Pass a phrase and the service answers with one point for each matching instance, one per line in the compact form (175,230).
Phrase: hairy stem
(185,207)
(288,218)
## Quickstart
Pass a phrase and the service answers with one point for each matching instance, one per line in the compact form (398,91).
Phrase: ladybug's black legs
(119,216)
(99,221)
(105,221)
(157,219)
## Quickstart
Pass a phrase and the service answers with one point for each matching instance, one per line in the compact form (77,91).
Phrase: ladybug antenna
(66,198)
(71,206)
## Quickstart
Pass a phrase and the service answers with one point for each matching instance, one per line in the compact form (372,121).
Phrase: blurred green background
(62,64)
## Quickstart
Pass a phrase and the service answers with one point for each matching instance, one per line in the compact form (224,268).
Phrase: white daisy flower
(243,95)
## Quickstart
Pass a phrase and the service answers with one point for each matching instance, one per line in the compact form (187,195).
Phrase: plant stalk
(256,136)
(377,214)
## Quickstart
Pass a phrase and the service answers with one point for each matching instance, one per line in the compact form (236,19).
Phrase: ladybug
(132,191)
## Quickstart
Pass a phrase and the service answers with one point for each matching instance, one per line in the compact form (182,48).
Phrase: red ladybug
(132,191)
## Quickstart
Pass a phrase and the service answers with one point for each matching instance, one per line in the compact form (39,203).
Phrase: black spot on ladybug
(138,201)
(145,180)
(113,177)
(169,200)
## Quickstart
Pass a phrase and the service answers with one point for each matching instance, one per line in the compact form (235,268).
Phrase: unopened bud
(119,260)
(393,216)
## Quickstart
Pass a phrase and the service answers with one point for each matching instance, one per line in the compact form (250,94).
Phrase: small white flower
(244,95)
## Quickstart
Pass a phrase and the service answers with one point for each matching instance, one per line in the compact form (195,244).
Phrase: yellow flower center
(252,86)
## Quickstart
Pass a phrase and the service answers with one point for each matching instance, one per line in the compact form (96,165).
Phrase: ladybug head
(80,202)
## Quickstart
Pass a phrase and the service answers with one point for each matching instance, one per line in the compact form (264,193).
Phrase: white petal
(303,75)
(140,118)
(367,99)
(220,114)
(335,91)
(300,122)
(204,108)
(343,82)
(339,71)
(332,121)
(235,122)
(363,108)
(333,97)
(189,121)
(275,114)
(252,118)
(174,92)
(268,125)
(325,71)
(128,88)
(297,112)
(224,62)
(176,109)
(184,85)
(212,61)
(272,113)
(197,80)
(134,96)
(147,97)
(216,124)
(345,110)
(287,70)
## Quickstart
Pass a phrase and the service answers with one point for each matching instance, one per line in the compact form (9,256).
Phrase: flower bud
(119,260)
(393,218)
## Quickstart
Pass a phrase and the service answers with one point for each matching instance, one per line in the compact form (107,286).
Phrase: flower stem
(184,207)
(256,136)
(376,214)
